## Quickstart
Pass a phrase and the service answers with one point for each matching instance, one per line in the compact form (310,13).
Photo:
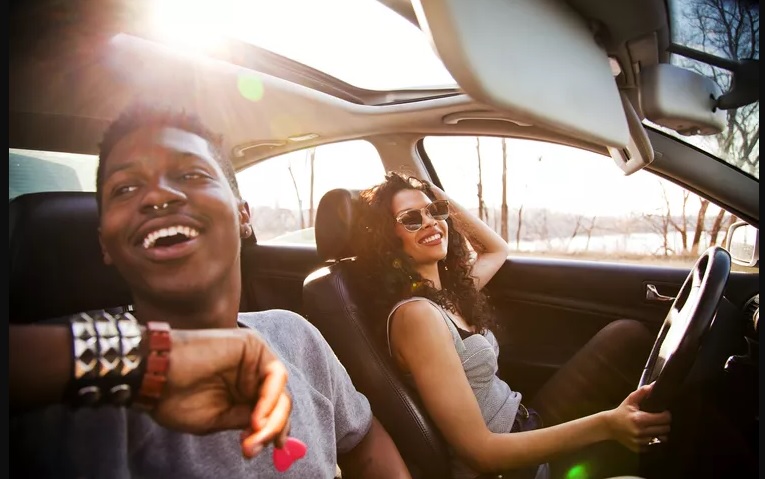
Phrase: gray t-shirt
(328,414)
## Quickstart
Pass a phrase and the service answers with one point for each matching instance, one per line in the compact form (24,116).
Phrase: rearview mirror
(681,100)
(744,244)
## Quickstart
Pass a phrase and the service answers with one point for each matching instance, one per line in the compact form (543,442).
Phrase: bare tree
(311,209)
(520,225)
(297,194)
(700,226)
(589,229)
(717,226)
(575,232)
(481,206)
(660,223)
(544,233)
(681,226)
(503,228)
(730,29)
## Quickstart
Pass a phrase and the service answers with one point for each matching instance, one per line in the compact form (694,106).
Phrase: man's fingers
(275,423)
(281,438)
(245,434)
(271,390)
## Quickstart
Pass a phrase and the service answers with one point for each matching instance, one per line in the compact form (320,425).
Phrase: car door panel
(547,309)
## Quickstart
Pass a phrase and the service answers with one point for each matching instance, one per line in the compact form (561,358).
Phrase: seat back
(56,266)
(332,307)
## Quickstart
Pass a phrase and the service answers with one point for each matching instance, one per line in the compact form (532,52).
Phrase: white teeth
(152,237)
(430,238)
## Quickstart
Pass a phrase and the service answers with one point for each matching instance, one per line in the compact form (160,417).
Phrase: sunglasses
(414,219)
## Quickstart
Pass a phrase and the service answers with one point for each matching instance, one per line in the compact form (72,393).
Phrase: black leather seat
(331,306)
(55,258)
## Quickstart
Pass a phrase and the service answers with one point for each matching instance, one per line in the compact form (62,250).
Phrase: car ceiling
(70,75)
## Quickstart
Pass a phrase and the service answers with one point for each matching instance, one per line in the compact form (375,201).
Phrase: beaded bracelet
(107,364)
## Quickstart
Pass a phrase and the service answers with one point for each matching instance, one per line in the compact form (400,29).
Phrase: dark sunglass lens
(439,210)
(412,220)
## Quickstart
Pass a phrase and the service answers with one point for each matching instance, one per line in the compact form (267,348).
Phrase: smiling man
(171,222)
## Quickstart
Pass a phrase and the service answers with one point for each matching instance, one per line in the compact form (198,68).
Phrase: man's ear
(107,258)
(244,212)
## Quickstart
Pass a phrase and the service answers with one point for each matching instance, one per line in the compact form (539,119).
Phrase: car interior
(595,76)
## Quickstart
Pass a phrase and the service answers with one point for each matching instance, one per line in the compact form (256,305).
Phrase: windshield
(361,42)
(730,30)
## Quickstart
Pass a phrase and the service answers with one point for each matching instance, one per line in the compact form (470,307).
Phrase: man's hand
(222,379)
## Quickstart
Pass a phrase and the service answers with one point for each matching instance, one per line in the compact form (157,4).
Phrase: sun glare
(195,25)
(361,42)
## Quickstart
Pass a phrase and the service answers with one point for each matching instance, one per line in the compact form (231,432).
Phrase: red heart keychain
(293,450)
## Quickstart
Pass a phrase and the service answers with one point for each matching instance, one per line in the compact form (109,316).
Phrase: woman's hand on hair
(438,192)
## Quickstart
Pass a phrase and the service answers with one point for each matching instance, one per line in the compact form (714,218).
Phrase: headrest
(334,219)
(56,264)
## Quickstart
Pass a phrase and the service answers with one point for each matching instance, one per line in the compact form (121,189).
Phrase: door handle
(652,294)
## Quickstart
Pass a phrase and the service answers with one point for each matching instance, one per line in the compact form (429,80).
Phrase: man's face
(170,222)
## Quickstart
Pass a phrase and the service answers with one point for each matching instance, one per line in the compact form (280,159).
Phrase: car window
(566,202)
(33,171)
(284,191)
(388,52)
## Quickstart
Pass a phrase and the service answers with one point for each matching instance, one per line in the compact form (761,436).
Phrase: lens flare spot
(578,472)
(250,87)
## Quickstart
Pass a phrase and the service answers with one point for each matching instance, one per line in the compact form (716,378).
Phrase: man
(171,222)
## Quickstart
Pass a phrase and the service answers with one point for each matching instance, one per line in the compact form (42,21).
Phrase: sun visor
(639,152)
(536,59)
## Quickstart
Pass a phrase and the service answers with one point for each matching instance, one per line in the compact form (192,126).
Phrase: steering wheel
(684,328)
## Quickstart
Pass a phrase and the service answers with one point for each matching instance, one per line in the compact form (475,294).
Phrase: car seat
(56,266)
(330,304)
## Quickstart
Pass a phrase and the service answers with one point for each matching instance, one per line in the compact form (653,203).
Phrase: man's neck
(195,312)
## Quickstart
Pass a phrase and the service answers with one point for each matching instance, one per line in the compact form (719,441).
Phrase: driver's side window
(558,201)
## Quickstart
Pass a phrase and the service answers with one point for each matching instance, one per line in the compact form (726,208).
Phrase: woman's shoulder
(416,316)
(416,305)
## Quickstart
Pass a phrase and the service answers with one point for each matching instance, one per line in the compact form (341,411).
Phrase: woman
(423,260)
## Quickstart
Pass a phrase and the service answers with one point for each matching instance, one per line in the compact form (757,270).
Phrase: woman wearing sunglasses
(422,261)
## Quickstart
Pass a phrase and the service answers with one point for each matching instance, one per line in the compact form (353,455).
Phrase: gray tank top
(478,354)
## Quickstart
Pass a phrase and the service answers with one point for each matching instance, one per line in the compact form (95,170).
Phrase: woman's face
(428,244)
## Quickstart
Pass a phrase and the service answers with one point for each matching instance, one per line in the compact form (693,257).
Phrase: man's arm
(375,456)
(218,379)
(40,365)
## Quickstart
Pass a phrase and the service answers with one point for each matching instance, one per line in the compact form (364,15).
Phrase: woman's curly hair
(386,274)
